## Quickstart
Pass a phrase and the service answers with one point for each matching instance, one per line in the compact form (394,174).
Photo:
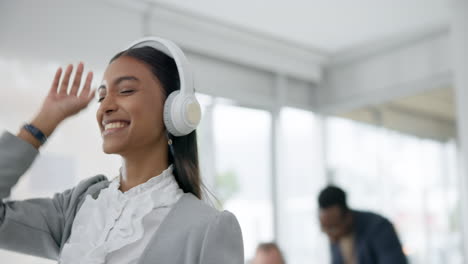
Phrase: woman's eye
(100,99)
(127,91)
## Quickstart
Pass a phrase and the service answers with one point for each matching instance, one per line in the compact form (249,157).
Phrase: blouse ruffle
(115,219)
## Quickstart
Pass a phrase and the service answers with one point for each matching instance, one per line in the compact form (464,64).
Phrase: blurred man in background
(268,253)
(357,237)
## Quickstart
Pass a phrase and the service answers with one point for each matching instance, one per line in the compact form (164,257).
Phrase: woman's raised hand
(62,101)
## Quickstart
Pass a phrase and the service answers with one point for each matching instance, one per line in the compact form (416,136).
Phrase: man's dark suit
(375,241)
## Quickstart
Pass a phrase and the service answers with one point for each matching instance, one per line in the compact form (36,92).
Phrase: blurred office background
(370,95)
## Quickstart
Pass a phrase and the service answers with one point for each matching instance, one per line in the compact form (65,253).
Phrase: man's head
(268,253)
(335,216)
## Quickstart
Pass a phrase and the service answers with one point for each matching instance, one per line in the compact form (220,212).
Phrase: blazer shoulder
(195,232)
(196,213)
(369,217)
(368,222)
(198,210)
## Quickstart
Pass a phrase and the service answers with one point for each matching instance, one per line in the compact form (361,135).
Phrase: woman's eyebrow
(125,78)
(119,80)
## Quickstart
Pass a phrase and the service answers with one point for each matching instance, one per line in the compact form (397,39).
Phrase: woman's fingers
(91,96)
(87,86)
(66,78)
(85,95)
(55,82)
(77,80)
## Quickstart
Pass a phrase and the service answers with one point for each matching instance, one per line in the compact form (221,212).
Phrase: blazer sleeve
(223,241)
(32,226)
(387,246)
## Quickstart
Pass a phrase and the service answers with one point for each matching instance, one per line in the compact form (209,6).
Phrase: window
(300,179)
(243,183)
(410,180)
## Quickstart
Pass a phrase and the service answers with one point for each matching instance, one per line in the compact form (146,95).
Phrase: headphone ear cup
(192,112)
(168,115)
(182,114)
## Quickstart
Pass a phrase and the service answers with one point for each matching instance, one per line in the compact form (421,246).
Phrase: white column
(459,39)
(280,94)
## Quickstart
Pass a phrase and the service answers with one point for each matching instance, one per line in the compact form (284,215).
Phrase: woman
(152,212)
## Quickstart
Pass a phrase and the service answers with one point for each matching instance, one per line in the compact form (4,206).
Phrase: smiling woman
(147,114)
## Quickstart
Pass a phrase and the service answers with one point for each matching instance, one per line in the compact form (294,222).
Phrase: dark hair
(184,151)
(332,196)
(269,247)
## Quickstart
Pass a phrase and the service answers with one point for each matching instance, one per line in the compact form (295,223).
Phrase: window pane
(299,181)
(243,183)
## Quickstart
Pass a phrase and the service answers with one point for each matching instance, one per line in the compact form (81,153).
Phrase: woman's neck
(143,165)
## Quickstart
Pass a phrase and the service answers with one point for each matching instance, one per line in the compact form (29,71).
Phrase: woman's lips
(114,127)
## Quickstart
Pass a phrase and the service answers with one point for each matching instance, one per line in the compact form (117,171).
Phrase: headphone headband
(172,50)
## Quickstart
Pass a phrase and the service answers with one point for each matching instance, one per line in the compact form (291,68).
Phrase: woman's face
(130,115)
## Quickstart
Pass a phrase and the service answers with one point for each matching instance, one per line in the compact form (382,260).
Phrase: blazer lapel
(172,230)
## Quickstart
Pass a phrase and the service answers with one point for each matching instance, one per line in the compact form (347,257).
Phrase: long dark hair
(184,151)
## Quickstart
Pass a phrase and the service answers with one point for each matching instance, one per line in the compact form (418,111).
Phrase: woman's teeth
(115,125)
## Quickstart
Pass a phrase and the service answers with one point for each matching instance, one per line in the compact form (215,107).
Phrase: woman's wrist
(28,137)
(45,126)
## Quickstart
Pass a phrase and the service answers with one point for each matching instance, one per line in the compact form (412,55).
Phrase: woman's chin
(111,148)
(107,151)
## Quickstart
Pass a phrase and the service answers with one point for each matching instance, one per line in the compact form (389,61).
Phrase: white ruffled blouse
(116,227)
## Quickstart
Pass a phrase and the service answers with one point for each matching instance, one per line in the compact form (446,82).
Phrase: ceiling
(328,25)
(427,115)
(438,103)
(335,27)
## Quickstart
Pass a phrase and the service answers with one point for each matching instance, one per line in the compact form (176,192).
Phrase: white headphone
(182,112)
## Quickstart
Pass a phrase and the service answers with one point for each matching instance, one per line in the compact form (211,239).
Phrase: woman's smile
(114,127)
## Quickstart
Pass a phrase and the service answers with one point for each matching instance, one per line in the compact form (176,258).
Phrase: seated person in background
(268,253)
(357,237)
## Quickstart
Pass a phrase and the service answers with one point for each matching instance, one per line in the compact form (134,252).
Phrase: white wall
(92,31)
(384,72)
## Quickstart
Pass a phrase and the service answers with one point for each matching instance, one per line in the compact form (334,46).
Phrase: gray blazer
(192,232)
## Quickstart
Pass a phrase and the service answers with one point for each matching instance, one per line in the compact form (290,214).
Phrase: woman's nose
(108,105)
